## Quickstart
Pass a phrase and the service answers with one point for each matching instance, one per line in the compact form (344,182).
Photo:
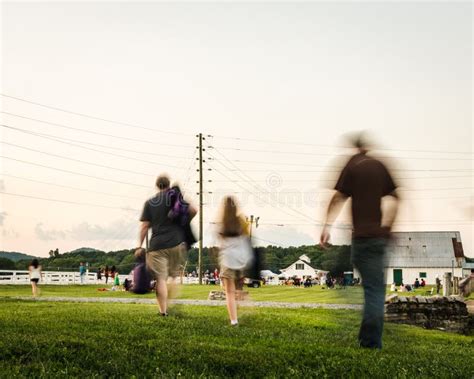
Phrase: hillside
(15,256)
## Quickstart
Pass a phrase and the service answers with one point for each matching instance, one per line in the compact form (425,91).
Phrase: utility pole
(251,221)
(200,210)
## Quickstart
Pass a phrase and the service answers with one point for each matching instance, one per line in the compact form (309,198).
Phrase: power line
(156,143)
(337,169)
(335,179)
(256,186)
(93,117)
(218,136)
(59,139)
(333,146)
(66,201)
(309,180)
(72,172)
(268,241)
(188,171)
(285,164)
(74,160)
(331,155)
(95,144)
(433,189)
(259,197)
(69,187)
(422,222)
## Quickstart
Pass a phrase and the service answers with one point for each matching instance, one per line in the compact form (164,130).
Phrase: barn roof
(424,249)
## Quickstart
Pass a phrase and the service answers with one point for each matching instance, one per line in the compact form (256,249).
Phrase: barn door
(397,276)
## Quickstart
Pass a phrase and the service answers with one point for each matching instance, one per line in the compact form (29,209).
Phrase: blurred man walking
(167,250)
(366,180)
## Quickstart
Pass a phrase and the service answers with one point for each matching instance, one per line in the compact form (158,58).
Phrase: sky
(273,87)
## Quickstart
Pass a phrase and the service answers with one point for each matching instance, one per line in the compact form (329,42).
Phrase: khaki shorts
(228,273)
(166,262)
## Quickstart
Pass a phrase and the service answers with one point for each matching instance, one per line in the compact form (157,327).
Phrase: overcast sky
(292,78)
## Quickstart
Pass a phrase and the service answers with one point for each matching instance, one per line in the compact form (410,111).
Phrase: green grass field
(350,295)
(41,339)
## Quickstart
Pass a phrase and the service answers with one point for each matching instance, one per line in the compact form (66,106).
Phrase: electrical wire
(66,201)
(74,160)
(155,143)
(58,139)
(286,142)
(92,117)
(69,187)
(72,172)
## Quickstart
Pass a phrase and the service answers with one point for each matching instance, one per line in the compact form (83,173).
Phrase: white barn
(301,268)
(423,255)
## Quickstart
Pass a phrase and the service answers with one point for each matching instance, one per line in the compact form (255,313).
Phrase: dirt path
(260,304)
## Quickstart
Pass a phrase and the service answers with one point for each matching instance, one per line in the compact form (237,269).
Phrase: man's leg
(157,265)
(368,258)
(162,295)
(177,258)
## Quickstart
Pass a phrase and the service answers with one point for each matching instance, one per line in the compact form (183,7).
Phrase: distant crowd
(417,284)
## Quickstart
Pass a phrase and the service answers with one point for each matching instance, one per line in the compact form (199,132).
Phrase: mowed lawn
(130,340)
(350,295)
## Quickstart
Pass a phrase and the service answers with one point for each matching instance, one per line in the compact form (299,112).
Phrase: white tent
(267,273)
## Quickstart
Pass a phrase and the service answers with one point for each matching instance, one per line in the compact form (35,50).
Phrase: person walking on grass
(82,272)
(235,254)
(35,274)
(366,180)
(438,284)
(168,247)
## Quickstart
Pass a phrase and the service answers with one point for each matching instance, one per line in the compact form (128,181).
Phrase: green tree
(7,264)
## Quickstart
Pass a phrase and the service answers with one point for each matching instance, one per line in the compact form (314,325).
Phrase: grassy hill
(15,256)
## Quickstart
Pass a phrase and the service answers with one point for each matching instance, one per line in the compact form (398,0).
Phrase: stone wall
(437,312)
(220,295)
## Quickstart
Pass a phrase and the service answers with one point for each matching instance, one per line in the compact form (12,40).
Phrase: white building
(423,255)
(467,268)
(302,268)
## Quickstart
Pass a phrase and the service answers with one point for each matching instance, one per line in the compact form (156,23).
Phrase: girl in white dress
(235,253)
(35,276)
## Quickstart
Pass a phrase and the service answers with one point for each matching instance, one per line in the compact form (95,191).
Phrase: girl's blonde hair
(231,221)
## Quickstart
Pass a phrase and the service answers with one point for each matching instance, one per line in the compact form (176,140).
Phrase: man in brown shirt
(366,180)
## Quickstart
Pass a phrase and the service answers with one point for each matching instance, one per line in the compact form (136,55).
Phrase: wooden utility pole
(200,211)
(251,221)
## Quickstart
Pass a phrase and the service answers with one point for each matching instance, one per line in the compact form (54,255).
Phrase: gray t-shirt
(166,233)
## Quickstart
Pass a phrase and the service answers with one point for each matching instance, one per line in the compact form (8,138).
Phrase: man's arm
(391,212)
(334,209)
(145,225)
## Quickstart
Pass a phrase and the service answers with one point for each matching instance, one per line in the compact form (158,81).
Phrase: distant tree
(56,253)
(23,264)
(51,253)
(337,260)
(7,264)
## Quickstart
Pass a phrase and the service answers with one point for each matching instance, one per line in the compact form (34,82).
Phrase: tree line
(335,259)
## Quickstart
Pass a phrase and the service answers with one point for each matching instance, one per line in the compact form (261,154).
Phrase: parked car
(254,283)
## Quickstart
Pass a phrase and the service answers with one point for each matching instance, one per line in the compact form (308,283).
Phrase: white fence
(50,277)
(64,278)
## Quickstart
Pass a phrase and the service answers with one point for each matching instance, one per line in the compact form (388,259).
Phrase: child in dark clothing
(141,279)
(180,213)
